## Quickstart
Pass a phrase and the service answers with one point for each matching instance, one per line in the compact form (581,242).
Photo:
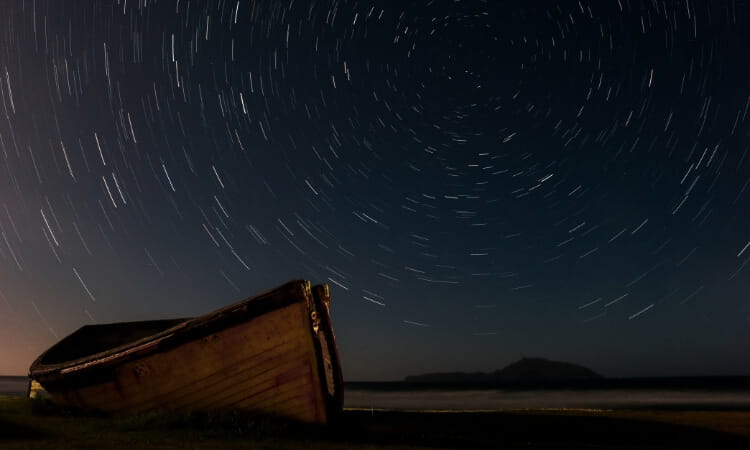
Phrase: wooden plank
(252,365)
(242,387)
(183,366)
(269,363)
(266,365)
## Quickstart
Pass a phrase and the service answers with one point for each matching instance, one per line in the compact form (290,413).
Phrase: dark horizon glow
(477,181)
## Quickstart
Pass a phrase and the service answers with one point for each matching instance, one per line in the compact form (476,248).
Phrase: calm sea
(550,399)
(13,385)
(700,393)
(699,396)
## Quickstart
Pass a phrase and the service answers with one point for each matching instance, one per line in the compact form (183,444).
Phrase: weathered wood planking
(280,362)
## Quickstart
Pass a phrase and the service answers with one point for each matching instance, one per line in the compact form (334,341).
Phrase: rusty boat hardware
(274,353)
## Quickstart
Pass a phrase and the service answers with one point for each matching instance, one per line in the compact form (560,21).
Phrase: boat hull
(279,363)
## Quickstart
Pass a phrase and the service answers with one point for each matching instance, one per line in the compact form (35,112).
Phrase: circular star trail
(476,180)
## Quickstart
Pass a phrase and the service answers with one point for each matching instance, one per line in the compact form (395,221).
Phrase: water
(494,399)
(13,385)
(706,398)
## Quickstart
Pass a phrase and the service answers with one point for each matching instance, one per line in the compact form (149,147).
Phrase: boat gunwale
(193,328)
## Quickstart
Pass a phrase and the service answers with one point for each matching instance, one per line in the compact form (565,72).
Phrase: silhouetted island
(525,370)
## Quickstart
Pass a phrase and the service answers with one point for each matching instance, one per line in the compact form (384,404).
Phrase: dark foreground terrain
(32,424)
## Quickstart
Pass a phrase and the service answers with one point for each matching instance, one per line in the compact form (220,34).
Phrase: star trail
(476,180)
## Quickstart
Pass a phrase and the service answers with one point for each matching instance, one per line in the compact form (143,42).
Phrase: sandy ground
(24,424)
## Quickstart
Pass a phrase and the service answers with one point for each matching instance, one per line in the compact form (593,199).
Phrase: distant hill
(525,370)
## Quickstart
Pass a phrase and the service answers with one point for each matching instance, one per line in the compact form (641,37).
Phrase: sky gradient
(477,181)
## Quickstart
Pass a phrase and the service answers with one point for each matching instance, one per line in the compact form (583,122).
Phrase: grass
(26,424)
(37,424)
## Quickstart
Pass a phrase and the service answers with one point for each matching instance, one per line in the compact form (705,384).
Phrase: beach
(22,428)
(623,419)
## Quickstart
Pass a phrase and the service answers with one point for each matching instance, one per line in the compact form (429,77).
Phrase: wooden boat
(274,354)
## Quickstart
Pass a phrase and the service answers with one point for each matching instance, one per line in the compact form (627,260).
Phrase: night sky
(477,181)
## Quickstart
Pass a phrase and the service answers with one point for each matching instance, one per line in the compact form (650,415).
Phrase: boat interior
(93,339)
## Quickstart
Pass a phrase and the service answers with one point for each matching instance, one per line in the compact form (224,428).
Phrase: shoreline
(721,382)
(670,398)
